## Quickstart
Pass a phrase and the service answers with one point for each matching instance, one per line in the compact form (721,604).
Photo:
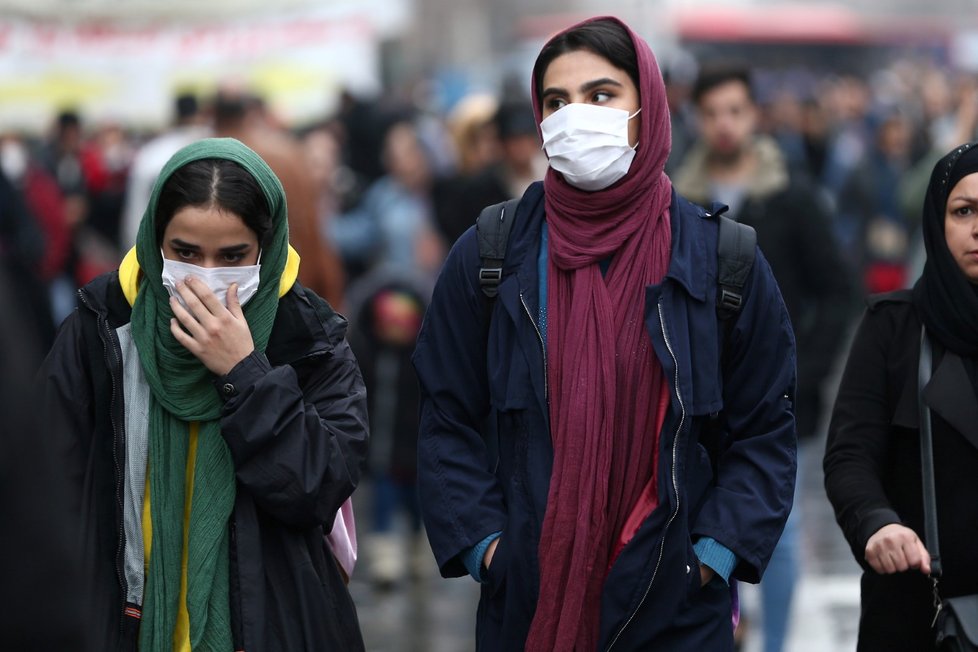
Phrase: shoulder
(305,324)
(103,296)
(898,301)
(892,317)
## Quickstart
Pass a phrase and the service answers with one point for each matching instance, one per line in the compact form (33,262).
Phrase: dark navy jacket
(480,374)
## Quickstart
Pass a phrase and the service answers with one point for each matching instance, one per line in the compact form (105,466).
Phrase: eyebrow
(585,87)
(233,249)
(967,198)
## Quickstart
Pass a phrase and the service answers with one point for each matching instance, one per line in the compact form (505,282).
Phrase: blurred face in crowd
(895,136)
(961,225)
(585,77)
(322,153)
(727,118)
(405,159)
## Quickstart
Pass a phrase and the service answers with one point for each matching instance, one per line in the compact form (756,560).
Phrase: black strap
(927,458)
(735,252)
(492,228)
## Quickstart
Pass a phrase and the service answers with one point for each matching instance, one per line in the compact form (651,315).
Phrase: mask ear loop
(630,117)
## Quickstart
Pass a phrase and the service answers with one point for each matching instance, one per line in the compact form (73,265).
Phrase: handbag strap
(927,458)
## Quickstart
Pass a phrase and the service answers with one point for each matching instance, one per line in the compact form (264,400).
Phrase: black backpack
(735,254)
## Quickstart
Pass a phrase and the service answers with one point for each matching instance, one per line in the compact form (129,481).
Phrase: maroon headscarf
(608,395)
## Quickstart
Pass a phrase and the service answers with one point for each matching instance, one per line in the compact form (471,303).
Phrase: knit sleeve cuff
(717,556)
(472,558)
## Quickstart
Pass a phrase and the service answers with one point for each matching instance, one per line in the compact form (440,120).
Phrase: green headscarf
(182,391)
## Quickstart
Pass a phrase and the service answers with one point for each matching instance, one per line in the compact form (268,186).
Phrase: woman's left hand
(217,336)
(706,574)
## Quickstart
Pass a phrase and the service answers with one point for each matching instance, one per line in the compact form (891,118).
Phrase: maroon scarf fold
(607,389)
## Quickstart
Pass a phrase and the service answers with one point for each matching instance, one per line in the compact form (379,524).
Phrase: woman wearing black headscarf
(872,460)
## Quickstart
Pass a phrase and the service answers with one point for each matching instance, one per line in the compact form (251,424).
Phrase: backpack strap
(492,228)
(735,253)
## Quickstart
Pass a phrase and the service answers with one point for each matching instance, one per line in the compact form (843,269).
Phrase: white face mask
(218,279)
(588,144)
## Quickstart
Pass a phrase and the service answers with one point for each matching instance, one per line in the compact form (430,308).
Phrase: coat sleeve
(297,448)
(857,449)
(747,508)
(461,499)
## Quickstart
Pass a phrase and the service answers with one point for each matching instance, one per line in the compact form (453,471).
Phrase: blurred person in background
(237,115)
(847,100)
(106,167)
(733,165)
(188,126)
(519,163)
(392,235)
(589,512)
(38,548)
(678,73)
(876,231)
(336,185)
(873,474)
(387,306)
(394,223)
(34,240)
(232,398)
(470,125)
(476,147)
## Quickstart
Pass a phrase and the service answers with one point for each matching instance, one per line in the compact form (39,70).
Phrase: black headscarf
(946,300)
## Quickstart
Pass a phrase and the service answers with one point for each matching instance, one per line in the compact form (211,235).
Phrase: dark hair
(605,38)
(217,183)
(68,119)
(718,74)
(514,118)
(185,106)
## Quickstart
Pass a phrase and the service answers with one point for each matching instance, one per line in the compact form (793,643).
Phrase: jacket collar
(948,394)
(691,264)
(769,177)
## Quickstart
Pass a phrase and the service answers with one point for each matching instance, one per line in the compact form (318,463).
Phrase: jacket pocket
(496,572)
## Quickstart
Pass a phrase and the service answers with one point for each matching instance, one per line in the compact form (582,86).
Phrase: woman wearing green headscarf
(216,422)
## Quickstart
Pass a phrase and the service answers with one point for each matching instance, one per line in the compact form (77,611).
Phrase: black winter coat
(296,426)
(873,476)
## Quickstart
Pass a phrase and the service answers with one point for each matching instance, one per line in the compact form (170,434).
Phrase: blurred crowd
(385,182)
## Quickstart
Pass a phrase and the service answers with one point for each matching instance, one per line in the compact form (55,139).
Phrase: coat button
(228,389)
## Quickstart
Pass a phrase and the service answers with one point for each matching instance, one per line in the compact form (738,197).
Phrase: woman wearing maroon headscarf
(596,448)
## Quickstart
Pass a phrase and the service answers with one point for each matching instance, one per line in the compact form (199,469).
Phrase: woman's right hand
(490,551)
(895,548)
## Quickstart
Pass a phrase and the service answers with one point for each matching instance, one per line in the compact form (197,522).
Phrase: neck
(733,168)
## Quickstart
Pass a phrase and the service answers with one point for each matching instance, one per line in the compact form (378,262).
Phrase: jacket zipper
(675,483)
(543,348)
(110,346)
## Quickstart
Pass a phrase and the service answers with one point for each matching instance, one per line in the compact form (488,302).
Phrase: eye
(555,103)
(600,97)
(964,211)
(232,259)
(185,254)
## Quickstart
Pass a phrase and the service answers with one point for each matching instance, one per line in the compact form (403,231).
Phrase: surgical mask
(218,279)
(588,144)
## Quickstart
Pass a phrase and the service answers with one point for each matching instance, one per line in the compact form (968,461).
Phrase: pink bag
(342,539)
